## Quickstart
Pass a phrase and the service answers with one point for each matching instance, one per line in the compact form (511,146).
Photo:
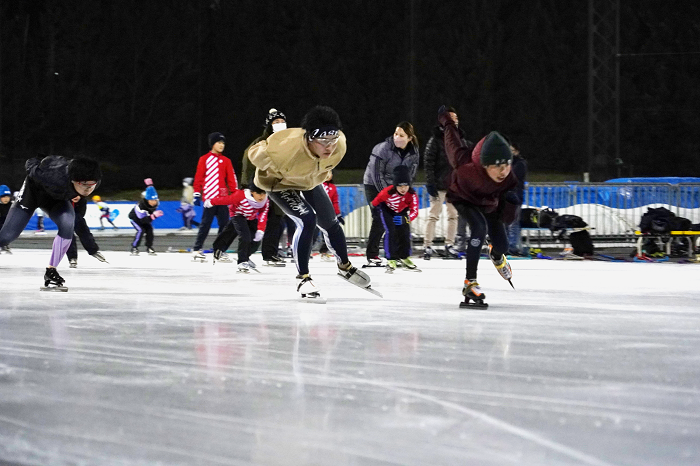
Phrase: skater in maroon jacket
(477,189)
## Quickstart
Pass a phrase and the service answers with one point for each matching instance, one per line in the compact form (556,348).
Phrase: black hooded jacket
(437,167)
(51,175)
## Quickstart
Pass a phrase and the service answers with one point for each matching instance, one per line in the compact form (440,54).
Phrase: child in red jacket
(478,188)
(398,206)
(332,192)
(248,211)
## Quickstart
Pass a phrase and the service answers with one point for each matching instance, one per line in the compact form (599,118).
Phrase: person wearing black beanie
(214,177)
(275,121)
(478,188)
(52,184)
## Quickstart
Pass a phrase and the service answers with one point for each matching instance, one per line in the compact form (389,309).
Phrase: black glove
(432,190)
(341,220)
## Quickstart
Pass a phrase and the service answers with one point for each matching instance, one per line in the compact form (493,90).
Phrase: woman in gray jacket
(399,149)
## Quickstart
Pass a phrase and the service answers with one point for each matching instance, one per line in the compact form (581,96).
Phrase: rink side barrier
(612,209)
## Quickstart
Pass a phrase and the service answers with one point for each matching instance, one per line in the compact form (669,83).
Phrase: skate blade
(371,266)
(412,270)
(275,265)
(473,305)
(54,288)
(313,300)
(366,288)
(389,270)
(199,260)
(243,271)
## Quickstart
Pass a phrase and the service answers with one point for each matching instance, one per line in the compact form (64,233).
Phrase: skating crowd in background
(288,182)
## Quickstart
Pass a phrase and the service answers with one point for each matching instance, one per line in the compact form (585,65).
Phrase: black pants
(376,230)
(86,239)
(271,239)
(32,196)
(397,238)
(308,209)
(481,224)
(221,214)
(243,229)
(142,228)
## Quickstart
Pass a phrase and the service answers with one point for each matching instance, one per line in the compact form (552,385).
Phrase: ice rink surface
(155,360)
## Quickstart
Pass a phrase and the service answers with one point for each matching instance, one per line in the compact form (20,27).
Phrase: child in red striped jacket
(398,206)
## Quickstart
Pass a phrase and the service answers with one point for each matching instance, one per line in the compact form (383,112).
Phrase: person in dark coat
(274,121)
(516,196)
(51,183)
(437,178)
(399,149)
(478,187)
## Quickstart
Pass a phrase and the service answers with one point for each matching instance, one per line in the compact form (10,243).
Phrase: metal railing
(613,210)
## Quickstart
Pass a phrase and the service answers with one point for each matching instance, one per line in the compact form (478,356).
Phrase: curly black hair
(320,116)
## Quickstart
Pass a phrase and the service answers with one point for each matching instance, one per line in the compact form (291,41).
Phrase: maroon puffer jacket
(469,181)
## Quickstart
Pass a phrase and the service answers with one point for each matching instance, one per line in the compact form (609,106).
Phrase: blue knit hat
(5,191)
(151,194)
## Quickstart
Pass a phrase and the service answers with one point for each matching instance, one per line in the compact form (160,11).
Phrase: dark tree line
(138,85)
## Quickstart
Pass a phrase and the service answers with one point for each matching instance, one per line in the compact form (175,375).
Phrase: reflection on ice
(157,360)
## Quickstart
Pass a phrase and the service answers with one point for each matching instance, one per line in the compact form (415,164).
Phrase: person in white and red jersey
(398,207)
(248,209)
(332,192)
(214,178)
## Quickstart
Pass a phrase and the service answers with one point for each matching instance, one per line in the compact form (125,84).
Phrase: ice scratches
(495,422)
(130,444)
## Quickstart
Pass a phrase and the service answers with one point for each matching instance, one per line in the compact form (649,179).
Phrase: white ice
(155,360)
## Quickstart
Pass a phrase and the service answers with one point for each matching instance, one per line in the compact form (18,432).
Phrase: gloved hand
(432,190)
(208,204)
(258,236)
(197,199)
(148,181)
(156,214)
(398,220)
(444,117)
(341,220)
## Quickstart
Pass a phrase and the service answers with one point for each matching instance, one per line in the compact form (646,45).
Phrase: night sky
(139,84)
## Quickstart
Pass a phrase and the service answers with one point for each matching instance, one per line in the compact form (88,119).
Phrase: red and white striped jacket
(397,202)
(241,203)
(214,176)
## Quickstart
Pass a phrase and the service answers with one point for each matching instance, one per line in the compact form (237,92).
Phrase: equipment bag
(581,242)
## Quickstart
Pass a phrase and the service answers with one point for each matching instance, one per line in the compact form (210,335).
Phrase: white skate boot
(198,256)
(306,287)
(357,277)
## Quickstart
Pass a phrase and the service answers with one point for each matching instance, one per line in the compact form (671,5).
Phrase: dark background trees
(139,85)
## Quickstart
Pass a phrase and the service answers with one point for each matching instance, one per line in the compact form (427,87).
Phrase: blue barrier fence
(612,209)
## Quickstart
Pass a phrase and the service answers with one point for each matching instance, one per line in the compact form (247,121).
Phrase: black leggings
(243,229)
(481,224)
(376,230)
(397,238)
(308,209)
(31,197)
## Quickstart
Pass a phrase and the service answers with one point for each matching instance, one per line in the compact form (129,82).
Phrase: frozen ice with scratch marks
(155,360)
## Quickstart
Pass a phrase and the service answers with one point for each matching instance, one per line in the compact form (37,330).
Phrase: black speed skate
(472,292)
(53,281)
